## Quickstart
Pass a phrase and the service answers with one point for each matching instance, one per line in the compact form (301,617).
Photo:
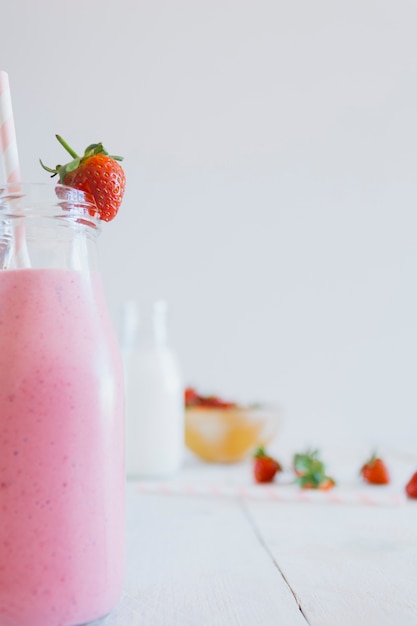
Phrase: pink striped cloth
(341,494)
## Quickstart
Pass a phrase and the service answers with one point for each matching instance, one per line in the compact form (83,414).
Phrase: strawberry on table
(411,487)
(311,472)
(316,481)
(375,471)
(96,173)
(265,467)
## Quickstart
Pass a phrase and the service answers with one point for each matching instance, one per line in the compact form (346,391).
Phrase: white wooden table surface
(209,548)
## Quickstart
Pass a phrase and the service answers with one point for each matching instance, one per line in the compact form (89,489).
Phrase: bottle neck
(144,329)
(47,227)
(159,332)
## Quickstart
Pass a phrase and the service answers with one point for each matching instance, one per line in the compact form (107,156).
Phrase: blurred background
(271,156)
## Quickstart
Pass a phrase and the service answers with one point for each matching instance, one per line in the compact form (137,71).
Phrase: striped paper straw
(7,132)
(10,156)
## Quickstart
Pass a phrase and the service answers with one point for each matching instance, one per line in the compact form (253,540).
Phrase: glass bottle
(154,394)
(62,478)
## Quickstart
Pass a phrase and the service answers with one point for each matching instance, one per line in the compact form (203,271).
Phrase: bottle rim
(46,200)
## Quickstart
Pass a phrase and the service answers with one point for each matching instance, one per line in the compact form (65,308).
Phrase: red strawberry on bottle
(96,173)
(411,487)
(265,467)
(375,471)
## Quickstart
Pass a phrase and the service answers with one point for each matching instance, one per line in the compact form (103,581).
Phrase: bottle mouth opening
(46,200)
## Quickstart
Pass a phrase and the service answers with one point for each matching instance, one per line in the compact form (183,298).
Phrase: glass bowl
(229,434)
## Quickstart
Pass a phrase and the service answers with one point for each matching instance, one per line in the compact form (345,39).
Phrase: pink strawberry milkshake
(61,450)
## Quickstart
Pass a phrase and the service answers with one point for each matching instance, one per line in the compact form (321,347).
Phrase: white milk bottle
(154,394)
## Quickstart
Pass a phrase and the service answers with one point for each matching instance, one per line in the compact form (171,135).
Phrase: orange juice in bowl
(225,432)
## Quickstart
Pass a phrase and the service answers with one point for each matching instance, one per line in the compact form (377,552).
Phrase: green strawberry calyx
(260,453)
(91,150)
(310,470)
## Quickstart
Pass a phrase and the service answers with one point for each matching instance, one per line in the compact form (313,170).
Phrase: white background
(271,156)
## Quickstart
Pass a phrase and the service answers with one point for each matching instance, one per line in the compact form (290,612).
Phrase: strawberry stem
(67,147)
(48,169)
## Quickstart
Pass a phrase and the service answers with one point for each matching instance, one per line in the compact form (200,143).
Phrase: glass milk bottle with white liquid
(154,394)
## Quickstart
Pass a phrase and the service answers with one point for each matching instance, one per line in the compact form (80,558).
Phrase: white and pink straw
(7,132)
(10,160)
